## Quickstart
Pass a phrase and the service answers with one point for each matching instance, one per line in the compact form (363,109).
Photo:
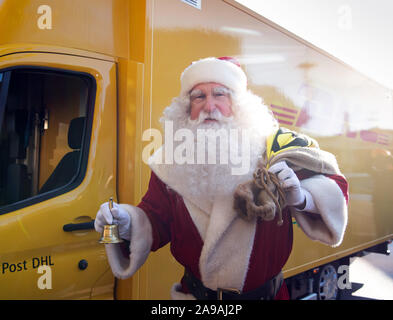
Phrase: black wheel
(325,283)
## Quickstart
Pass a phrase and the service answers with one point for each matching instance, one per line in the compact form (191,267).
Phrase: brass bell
(111,232)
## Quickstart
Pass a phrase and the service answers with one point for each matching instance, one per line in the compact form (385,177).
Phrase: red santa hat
(224,70)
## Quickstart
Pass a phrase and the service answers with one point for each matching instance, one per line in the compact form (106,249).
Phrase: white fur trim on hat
(213,70)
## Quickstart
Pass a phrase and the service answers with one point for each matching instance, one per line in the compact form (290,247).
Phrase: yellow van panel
(33,235)
(308,90)
(143,46)
(91,25)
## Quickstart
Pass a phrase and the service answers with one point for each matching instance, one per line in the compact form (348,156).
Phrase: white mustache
(214,115)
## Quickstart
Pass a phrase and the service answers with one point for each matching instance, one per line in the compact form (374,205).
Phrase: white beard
(217,177)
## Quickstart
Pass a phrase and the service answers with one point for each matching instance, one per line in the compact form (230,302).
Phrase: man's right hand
(117,215)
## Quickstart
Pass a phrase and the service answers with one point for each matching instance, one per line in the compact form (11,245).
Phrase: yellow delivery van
(80,81)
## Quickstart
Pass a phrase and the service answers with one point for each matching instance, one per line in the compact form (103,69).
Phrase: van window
(43,129)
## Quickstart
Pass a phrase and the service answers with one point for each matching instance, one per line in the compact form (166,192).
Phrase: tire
(325,283)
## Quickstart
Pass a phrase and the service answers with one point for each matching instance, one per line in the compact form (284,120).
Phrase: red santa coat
(171,222)
(214,243)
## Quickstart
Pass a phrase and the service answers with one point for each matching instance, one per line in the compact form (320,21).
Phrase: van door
(57,165)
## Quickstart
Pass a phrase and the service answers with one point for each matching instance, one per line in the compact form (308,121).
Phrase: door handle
(78,226)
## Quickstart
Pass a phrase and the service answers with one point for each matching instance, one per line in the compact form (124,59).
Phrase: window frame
(85,150)
(3,98)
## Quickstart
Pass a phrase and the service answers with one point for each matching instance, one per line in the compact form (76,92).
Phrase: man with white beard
(190,203)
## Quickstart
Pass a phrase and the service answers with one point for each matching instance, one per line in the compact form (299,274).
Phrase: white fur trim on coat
(140,244)
(176,294)
(226,234)
(220,228)
(329,226)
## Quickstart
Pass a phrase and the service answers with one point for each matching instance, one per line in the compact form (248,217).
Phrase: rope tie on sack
(263,179)
(261,197)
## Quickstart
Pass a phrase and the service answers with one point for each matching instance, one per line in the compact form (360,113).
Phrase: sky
(358,32)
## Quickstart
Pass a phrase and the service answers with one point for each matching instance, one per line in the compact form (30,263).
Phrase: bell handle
(110,205)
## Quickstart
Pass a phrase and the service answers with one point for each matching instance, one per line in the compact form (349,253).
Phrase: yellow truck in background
(81,81)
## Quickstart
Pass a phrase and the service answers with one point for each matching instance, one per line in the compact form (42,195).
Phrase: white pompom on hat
(223,70)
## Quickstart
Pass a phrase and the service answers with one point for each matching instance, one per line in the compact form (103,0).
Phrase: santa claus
(228,251)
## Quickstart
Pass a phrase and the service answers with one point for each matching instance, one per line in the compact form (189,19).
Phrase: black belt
(267,291)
